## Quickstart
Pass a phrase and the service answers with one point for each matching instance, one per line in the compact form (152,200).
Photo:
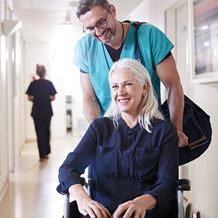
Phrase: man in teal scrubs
(109,40)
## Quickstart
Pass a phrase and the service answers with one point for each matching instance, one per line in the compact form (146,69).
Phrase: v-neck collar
(126,44)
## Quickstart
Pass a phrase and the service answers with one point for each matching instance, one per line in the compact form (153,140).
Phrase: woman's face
(127,92)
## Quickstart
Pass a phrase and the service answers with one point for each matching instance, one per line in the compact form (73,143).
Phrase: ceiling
(41,19)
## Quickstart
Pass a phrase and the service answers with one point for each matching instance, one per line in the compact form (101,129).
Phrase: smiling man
(108,40)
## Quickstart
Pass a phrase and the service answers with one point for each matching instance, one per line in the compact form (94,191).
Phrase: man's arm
(91,106)
(168,74)
(52,97)
(30,97)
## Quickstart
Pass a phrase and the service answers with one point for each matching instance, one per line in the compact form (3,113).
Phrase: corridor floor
(32,190)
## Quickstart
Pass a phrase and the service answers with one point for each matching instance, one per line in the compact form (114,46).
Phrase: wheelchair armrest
(184,185)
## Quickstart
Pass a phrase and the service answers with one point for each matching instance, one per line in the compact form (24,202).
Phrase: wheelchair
(71,209)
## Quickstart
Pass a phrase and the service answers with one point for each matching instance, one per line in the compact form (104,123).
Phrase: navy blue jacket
(127,163)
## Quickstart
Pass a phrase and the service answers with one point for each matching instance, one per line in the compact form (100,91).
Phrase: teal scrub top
(92,57)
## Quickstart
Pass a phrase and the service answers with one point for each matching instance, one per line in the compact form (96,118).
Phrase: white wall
(4,171)
(147,11)
(66,75)
(202,172)
(11,130)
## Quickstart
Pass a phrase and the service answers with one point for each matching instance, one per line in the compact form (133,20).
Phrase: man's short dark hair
(86,5)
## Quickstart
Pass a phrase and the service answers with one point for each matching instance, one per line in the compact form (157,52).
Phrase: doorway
(178,29)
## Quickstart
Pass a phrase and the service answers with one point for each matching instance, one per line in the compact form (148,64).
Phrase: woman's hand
(86,205)
(130,209)
(93,209)
(135,208)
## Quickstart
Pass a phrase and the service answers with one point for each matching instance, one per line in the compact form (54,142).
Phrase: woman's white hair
(149,105)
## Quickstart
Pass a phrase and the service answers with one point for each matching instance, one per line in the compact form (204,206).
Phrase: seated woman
(132,151)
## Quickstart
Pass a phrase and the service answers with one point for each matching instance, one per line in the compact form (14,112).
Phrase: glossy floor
(32,191)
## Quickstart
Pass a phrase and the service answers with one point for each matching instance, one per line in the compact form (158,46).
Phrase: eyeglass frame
(91,29)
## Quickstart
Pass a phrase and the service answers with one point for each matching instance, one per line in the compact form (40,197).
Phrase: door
(177,28)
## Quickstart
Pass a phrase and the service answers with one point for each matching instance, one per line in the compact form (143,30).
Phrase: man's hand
(183,139)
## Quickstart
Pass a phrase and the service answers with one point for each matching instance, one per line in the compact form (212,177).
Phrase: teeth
(123,100)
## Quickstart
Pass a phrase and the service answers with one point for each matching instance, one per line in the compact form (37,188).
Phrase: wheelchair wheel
(188,211)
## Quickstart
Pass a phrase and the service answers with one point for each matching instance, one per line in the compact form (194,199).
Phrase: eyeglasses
(100,24)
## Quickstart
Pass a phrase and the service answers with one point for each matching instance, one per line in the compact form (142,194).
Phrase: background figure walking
(41,92)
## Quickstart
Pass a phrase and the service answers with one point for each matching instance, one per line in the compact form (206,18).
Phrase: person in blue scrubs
(108,40)
(41,93)
(132,151)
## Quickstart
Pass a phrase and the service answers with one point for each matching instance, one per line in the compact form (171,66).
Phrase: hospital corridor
(43,34)
(31,192)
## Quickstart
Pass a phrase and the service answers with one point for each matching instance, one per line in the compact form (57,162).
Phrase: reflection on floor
(32,192)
